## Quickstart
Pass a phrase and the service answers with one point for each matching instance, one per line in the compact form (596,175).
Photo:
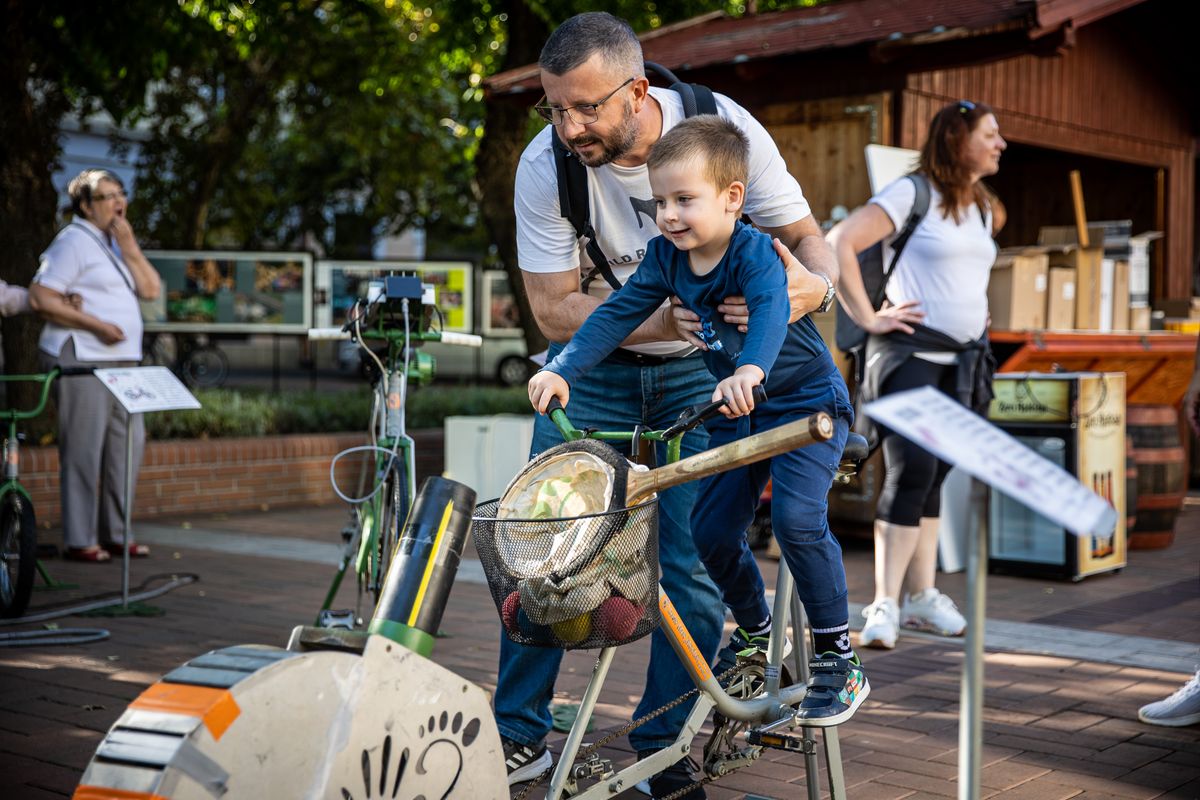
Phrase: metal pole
(128,537)
(970,724)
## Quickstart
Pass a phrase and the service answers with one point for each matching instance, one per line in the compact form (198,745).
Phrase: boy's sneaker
(836,688)
(1181,708)
(743,646)
(672,779)
(525,762)
(932,611)
(882,625)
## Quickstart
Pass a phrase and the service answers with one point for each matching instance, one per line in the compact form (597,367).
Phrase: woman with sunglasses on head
(931,331)
(95,259)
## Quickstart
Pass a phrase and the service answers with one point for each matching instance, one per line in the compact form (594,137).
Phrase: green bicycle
(18,523)
(399,312)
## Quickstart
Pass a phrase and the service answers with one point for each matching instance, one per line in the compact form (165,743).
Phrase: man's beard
(617,144)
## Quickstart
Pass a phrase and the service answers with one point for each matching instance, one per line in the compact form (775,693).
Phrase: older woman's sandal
(135,550)
(93,554)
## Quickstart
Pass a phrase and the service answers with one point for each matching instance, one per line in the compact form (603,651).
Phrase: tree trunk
(500,150)
(225,145)
(29,151)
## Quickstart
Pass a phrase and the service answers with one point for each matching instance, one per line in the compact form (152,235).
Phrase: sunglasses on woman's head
(964,106)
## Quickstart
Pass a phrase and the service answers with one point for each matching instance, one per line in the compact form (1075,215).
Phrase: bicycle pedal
(781,741)
(594,767)
(342,618)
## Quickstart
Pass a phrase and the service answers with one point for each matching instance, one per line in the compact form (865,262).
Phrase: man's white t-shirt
(623,209)
(77,262)
(945,265)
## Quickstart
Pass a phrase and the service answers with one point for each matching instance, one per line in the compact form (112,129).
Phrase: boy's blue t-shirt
(788,355)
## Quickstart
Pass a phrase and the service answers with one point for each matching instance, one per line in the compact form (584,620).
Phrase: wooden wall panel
(822,143)
(1099,99)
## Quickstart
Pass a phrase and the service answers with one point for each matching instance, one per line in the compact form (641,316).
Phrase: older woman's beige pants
(91,452)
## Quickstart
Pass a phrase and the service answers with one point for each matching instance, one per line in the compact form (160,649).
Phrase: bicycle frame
(772,707)
(383,512)
(11,485)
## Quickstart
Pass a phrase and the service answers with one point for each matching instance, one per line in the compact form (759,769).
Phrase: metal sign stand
(970,724)
(993,458)
(140,389)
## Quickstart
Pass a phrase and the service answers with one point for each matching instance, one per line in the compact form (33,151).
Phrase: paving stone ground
(1058,724)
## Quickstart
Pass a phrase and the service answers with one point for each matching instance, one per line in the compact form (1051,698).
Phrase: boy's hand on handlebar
(738,391)
(545,385)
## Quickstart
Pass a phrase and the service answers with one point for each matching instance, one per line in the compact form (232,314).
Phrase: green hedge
(228,413)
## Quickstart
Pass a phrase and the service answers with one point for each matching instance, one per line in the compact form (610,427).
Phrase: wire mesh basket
(573,583)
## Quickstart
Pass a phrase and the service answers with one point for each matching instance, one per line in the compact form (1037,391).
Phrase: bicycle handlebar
(327,334)
(45,379)
(690,419)
(445,337)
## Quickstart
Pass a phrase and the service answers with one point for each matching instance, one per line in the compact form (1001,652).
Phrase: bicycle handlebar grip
(461,339)
(327,334)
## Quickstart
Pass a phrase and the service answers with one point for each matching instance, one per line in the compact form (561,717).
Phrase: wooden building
(1103,86)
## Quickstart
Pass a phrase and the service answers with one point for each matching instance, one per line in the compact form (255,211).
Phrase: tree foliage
(284,123)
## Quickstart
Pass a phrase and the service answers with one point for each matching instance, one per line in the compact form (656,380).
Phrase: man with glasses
(96,257)
(601,106)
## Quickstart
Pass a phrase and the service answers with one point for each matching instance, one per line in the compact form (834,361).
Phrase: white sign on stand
(138,390)
(141,389)
(968,441)
(965,440)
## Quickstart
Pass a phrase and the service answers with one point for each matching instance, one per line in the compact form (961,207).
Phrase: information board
(142,389)
(340,283)
(231,292)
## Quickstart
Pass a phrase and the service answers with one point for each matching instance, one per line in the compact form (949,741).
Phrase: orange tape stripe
(670,618)
(215,707)
(104,793)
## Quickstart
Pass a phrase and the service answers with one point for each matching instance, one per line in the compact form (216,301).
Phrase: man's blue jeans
(616,397)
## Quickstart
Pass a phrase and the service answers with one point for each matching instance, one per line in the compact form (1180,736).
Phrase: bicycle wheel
(18,548)
(205,367)
(393,512)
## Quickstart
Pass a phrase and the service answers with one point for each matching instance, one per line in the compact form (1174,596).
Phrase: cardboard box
(1060,300)
(1085,261)
(1017,290)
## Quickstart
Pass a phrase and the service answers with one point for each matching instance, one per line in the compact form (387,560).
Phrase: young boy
(698,173)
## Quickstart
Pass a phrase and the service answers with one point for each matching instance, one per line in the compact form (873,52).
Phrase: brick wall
(189,476)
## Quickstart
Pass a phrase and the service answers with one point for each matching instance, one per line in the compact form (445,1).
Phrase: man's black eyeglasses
(582,114)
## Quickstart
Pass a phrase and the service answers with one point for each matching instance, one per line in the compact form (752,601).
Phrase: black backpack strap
(575,208)
(919,209)
(697,99)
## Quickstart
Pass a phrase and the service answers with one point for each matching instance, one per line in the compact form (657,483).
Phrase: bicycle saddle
(856,449)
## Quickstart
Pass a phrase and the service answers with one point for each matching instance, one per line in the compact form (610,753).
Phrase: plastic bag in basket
(620,566)
(575,484)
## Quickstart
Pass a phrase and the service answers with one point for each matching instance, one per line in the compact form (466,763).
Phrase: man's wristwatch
(830,293)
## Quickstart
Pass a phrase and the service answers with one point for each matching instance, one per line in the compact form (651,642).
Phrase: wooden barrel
(1161,474)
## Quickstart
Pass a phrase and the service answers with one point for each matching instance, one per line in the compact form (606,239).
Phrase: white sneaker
(932,611)
(882,625)
(1181,708)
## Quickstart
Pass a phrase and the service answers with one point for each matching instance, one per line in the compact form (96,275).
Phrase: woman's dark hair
(82,186)
(942,158)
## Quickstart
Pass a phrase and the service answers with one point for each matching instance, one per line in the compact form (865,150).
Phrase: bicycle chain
(587,752)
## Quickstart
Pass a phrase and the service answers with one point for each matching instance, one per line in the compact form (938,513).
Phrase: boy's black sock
(761,629)
(833,640)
